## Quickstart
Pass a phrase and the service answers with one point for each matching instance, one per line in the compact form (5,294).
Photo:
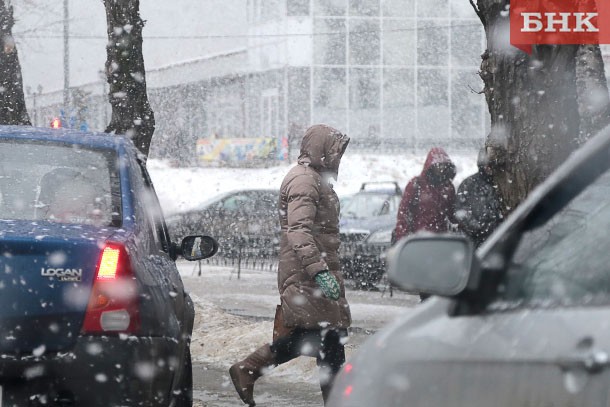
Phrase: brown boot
(244,373)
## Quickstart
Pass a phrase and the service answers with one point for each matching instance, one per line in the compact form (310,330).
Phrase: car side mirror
(437,265)
(198,247)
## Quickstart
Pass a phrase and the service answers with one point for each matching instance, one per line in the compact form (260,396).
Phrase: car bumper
(98,371)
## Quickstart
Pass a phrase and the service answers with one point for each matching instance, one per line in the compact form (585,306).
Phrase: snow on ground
(181,189)
(222,339)
(234,317)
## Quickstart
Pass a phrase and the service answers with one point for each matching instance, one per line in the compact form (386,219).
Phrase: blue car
(93,311)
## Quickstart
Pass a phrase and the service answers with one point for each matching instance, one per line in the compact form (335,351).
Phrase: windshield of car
(239,202)
(566,261)
(58,183)
(367,205)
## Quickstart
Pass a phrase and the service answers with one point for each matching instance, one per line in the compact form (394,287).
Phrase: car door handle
(591,361)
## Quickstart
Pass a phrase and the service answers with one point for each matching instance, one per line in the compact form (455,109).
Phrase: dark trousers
(325,345)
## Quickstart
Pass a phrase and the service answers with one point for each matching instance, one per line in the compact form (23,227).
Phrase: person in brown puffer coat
(314,313)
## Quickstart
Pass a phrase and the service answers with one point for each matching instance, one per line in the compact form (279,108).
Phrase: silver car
(524,321)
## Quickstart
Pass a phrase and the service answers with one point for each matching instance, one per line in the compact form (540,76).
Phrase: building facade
(392,74)
(387,72)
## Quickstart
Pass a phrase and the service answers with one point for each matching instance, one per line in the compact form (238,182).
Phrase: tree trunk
(131,112)
(542,105)
(12,101)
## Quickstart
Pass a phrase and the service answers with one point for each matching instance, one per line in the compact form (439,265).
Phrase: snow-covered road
(233,317)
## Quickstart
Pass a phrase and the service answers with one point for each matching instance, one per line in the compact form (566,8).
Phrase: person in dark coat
(478,206)
(428,202)
(314,314)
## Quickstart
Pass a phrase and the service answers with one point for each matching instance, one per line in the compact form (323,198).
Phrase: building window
(399,8)
(364,7)
(467,107)
(465,36)
(329,87)
(399,42)
(364,42)
(433,113)
(329,41)
(399,88)
(432,43)
(297,8)
(262,11)
(270,113)
(225,104)
(329,93)
(329,7)
(461,9)
(270,10)
(364,117)
(298,100)
(364,88)
(432,87)
(433,8)
(399,103)
(254,11)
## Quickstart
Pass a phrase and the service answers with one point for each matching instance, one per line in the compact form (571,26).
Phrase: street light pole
(66,59)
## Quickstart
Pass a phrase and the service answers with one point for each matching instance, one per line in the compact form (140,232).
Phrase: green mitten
(328,284)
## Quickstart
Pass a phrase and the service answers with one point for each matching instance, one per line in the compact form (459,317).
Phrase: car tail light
(347,369)
(113,305)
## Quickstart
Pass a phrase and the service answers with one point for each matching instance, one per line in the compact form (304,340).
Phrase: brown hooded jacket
(309,219)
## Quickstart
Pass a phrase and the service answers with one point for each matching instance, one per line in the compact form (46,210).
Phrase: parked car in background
(244,220)
(367,221)
(93,311)
(344,200)
(521,322)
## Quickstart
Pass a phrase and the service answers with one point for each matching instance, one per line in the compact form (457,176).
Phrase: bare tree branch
(476,10)
(478,92)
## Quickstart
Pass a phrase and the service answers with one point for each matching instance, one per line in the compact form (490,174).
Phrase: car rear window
(62,183)
(367,205)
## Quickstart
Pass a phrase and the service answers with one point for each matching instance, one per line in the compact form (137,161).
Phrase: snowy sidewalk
(233,317)
(255,295)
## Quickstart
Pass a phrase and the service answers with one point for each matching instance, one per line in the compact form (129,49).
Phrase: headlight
(381,236)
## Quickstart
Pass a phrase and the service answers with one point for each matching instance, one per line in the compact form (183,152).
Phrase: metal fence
(261,253)
(251,252)
(362,263)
